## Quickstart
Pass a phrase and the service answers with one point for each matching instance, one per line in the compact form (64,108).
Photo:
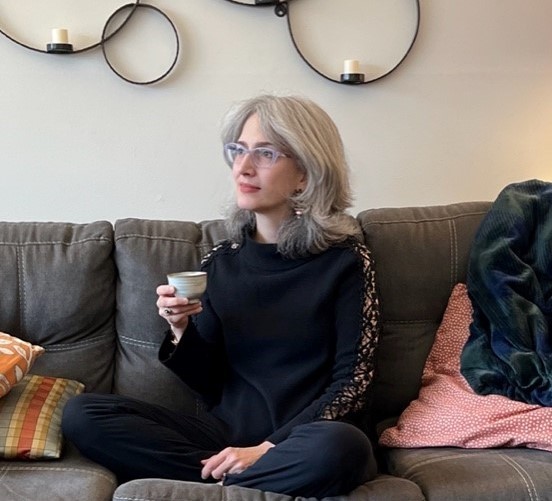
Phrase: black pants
(135,439)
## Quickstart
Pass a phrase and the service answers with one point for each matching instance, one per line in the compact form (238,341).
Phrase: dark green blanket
(509,351)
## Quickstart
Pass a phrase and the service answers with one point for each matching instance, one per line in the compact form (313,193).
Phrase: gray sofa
(86,292)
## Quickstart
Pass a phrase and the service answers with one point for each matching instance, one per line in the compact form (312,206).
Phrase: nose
(244,164)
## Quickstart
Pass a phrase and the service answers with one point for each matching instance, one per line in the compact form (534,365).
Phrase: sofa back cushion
(145,252)
(57,291)
(420,253)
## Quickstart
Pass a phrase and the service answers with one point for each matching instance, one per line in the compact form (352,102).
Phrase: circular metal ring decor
(104,39)
(282,9)
(133,7)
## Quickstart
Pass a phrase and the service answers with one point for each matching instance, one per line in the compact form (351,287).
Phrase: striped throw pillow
(30,417)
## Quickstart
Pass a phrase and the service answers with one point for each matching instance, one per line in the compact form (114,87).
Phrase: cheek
(297,182)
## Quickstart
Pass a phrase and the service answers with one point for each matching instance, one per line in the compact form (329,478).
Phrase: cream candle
(60,35)
(350,66)
(60,42)
(351,72)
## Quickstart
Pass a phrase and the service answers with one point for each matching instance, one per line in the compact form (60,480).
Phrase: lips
(248,188)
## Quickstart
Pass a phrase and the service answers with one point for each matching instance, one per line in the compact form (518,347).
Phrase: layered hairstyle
(300,128)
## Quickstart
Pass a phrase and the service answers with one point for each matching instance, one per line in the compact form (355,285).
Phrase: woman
(281,347)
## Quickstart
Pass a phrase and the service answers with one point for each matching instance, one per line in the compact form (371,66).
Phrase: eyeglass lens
(261,157)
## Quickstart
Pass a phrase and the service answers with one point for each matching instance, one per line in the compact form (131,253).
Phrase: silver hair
(299,126)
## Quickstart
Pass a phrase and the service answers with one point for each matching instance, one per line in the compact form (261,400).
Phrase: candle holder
(352,78)
(349,77)
(60,42)
(59,48)
(351,73)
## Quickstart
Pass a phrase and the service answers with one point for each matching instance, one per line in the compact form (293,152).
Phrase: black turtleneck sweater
(281,342)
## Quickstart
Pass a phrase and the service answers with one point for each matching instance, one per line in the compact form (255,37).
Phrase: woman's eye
(265,153)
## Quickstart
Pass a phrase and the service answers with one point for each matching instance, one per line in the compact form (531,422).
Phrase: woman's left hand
(233,460)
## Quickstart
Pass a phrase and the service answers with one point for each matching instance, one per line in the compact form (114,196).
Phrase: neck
(267,229)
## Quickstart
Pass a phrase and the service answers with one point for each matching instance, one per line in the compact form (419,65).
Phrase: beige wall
(467,113)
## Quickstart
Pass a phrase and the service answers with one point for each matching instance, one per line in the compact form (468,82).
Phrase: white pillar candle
(350,66)
(60,36)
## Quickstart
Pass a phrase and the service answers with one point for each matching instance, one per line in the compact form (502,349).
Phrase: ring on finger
(168,311)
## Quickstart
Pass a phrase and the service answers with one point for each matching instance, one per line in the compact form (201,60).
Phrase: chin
(245,204)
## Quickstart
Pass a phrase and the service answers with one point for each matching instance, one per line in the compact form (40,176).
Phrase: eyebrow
(262,144)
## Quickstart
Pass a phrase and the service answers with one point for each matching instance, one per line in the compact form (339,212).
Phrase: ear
(302,182)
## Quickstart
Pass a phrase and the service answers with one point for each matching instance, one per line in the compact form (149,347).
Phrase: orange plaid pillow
(30,417)
(16,359)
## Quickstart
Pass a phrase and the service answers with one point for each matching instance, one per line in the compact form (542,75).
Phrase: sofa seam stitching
(434,460)
(520,470)
(22,287)
(132,498)
(55,468)
(78,344)
(454,253)
(424,220)
(56,242)
(137,342)
(508,460)
(154,237)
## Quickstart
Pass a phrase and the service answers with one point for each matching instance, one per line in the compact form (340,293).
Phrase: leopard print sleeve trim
(353,395)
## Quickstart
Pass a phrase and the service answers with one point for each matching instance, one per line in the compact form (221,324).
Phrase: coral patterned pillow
(448,412)
(16,358)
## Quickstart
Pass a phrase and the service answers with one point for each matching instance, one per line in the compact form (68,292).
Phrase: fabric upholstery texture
(420,253)
(86,293)
(16,359)
(58,291)
(146,251)
(448,412)
(453,474)
(30,417)
(72,478)
(383,488)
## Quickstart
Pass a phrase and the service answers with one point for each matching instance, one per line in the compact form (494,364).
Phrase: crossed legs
(135,439)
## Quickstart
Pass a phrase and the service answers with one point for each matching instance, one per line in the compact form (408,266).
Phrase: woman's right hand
(175,310)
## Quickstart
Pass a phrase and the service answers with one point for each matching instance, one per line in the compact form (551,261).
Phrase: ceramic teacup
(190,284)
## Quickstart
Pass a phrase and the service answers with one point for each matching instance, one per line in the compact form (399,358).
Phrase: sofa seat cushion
(382,488)
(454,474)
(74,478)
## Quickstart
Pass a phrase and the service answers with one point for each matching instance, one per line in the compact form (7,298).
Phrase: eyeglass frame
(246,151)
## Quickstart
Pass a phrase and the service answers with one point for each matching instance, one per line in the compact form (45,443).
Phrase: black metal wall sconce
(351,69)
(60,40)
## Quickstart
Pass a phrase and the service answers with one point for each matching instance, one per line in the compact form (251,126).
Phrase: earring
(297,209)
